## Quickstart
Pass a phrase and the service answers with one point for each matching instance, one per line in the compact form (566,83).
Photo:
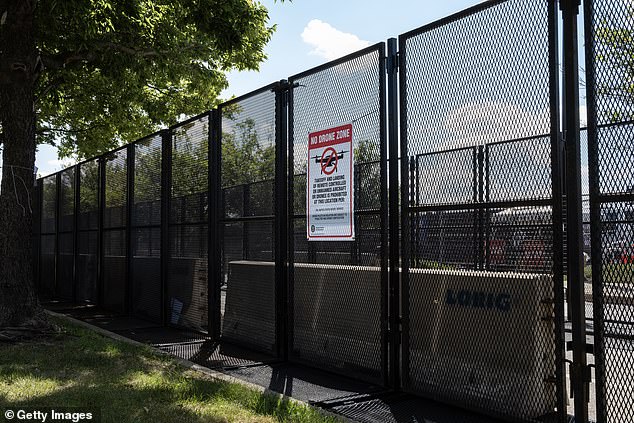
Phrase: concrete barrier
(187,292)
(337,318)
(484,337)
(249,314)
(336,313)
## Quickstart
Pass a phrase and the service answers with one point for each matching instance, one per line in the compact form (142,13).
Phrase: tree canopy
(615,64)
(113,71)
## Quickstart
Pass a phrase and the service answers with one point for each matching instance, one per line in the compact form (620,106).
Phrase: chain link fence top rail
(476,143)
(609,50)
(338,288)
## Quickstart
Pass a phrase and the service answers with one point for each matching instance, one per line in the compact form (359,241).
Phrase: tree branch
(44,130)
(56,82)
(69,58)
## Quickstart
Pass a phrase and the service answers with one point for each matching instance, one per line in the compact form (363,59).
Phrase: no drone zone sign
(330,185)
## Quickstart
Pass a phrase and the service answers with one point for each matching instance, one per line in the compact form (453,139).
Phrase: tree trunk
(18,72)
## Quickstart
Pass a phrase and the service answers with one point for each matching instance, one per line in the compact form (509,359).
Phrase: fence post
(129,306)
(289,164)
(166,183)
(596,246)
(557,171)
(579,373)
(214,198)
(76,204)
(58,196)
(394,276)
(281,218)
(101,208)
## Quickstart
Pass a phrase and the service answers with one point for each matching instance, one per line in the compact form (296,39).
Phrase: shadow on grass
(128,383)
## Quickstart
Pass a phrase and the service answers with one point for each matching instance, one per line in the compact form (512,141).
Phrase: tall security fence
(608,52)
(417,216)
(481,254)
(338,298)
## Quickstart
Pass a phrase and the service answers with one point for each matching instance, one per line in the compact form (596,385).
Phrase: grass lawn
(615,273)
(129,383)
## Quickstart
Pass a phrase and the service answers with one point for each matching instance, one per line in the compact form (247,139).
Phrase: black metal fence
(478,177)
(338,298)
(610,102)
(461,287)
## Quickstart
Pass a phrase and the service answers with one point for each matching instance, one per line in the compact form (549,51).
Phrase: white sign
(330,189)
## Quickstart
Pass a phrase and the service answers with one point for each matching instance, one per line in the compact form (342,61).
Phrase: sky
(310,33)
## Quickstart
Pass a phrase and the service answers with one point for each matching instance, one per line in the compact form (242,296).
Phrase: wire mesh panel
(609,51)
(88,237)
(114,231)
(247,291)
(479,273)
(36,229)
(145,272)
(338,287)
(187,274)
(48,236)
(66,255)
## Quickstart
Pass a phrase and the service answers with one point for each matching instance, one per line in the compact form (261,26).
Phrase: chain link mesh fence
(247,173)
(48,221)
(479,286)
(609,51)
(88,228)
(114,262)
(481,266)
(145,270)
(186,289)
(338,310)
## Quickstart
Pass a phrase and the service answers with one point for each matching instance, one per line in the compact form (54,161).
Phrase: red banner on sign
(332,136)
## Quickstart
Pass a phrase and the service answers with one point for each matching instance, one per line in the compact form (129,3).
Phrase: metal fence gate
(338,290)
(609,31)
(481,231)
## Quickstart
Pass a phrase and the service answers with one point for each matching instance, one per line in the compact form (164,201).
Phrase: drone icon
(329,160)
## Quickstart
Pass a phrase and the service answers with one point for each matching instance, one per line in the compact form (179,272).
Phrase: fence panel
(48,236)
(114,260)
(88,227)
(247,220)
(145,269)
(186,287)
(338,289)
(66,236)
(481,264)
(609,30)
